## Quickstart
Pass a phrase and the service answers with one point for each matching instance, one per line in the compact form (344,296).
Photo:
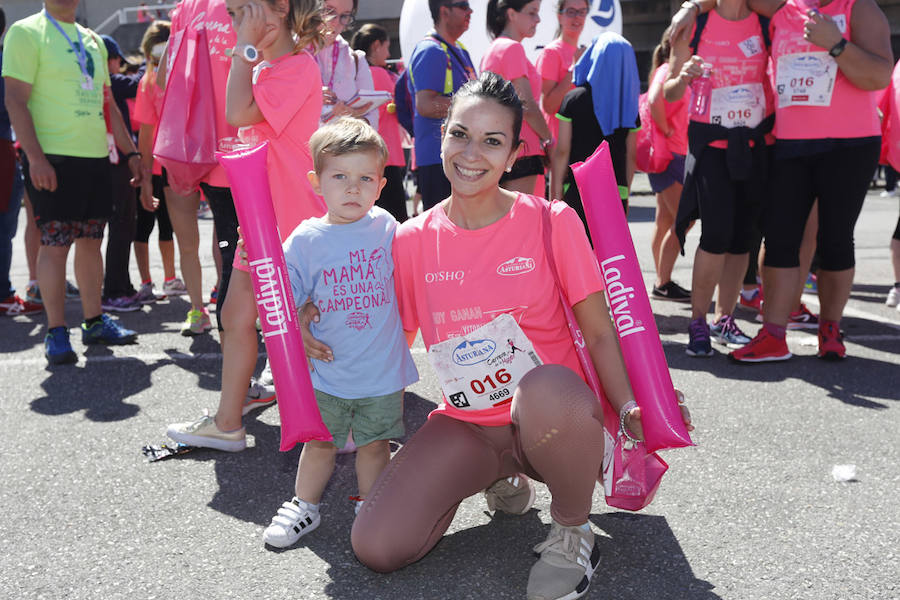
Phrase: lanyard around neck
(79,50)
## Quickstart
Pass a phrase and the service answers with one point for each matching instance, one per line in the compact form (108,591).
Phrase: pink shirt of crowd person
(147,103)
(388,125)
(437,294)
(676,114)
(507,58)
(212,16)
(291,112)
(552,65)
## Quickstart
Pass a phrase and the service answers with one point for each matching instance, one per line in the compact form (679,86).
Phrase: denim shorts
(374,418)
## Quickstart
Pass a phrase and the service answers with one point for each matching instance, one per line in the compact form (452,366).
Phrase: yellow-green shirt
(68,119)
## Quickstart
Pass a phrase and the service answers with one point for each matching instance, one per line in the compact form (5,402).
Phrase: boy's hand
(315,349)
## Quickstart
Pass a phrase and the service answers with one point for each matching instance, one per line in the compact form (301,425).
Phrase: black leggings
(146,219)
(840,179)
(225,220)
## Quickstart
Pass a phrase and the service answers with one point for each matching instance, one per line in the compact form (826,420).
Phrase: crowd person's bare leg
(183,215)
(51,278)
(239,354)
(88,274)
(522,184)
(733,271)
(706,276)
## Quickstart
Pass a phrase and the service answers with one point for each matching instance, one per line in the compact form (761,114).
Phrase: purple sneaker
(121,304)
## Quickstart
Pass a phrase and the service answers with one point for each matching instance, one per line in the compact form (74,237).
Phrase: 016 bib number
(805,79)
(481,370)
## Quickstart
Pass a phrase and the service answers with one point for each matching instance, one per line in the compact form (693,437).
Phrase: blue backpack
(405,102)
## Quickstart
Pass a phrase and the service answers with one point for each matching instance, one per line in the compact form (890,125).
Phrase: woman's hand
(691,69)
(315,349)
(633,418)
(340,110)
(250,24)
(328,97)
(148,201)
(821,30)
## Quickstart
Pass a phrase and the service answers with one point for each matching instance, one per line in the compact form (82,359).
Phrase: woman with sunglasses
(344,72)
(555,62)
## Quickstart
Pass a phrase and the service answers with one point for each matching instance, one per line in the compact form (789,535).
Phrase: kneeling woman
(459,266)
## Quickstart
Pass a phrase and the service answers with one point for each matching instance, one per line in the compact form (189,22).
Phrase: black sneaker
(672,291)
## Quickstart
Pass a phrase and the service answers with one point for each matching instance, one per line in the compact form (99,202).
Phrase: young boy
(342,262)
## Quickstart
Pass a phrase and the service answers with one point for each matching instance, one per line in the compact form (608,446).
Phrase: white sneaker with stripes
(569,557)
(293,520)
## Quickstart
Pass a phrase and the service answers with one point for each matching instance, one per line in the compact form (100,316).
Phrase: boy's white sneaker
(293,520)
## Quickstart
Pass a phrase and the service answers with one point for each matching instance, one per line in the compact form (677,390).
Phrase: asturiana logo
(474,352)
(618,296)
(516,266)
(270,297)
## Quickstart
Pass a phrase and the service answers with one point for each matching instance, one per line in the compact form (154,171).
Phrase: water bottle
(808,5)
(702,88)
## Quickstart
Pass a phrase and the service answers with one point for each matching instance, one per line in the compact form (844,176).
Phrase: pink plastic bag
(300,418)
(629,304)
(653,154)
(629,474)
(186,137)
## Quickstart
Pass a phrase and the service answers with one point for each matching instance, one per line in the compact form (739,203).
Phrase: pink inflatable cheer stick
(300,418)
(629,304)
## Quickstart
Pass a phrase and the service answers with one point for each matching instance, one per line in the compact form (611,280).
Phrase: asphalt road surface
(751,512)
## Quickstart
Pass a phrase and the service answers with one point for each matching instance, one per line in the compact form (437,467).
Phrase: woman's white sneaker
(294,520)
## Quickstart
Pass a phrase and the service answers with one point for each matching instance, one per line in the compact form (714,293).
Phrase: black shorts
(525,166)
(433,184)
(83,190)
(729,210)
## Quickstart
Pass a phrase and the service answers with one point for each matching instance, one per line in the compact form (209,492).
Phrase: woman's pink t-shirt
(211,15)
(147,103)
(676,113)
(553,64)
(291,111)
(388,125)
(506,58)
(450,281)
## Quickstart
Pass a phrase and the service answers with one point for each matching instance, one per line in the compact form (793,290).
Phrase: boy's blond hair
(344,136)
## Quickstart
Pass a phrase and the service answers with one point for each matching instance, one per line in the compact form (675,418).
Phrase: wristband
(689,4)
(623,413)
(130,154)
(838,48)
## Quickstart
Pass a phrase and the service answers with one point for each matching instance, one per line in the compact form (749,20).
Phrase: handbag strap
(584,357)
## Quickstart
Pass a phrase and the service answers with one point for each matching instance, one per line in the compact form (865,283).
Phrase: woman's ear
(514,155)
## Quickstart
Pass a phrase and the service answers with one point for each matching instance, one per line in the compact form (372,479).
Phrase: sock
(824,324)
(776,331)
(92,320)
(168,279)
(52,329)
(146,282)
(750,294)
(309,505)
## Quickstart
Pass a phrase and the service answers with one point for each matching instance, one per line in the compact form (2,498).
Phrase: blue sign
(604,13)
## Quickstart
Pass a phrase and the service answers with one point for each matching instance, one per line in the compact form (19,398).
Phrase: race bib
(481,370)
(751,46)
(738,105)
(805,79)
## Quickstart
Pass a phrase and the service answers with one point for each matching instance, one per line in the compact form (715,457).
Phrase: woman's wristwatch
(689,4)
(838,48)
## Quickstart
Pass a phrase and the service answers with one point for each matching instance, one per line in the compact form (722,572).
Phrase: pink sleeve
(508,60)
(282,90)
(403,252)
(576,264)
(549,64)
(144,107)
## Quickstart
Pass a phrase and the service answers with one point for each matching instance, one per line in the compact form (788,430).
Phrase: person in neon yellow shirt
(57,89)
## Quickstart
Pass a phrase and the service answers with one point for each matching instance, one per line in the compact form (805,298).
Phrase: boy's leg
(371,460)
(314,470)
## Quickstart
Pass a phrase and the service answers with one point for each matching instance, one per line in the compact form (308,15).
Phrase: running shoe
(293,520)
(671,291)
(203,211)
(206,434)
(763,348)
(33,294)
(214,295)
(196,323)
(569,557)
(754,302)
(57,348)
(121,304)
(803,318)
(14,306)
(726,332)
(812,284)
(106,331)
(889,193)
(893,297)
(147,294)
(831,342)
(698,338)
(71,291)
(259,395)
(174,287)
(513,495)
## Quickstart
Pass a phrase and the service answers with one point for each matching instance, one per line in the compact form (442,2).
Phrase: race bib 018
(481,370)
(805,79)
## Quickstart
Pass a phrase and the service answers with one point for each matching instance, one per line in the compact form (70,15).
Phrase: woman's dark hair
(496,14)
(492,87)
(367,35)
(661,52)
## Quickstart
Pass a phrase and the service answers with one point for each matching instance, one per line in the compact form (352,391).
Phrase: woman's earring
(509,169)
(442,155)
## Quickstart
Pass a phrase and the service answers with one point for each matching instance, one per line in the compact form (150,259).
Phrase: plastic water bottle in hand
(702,88)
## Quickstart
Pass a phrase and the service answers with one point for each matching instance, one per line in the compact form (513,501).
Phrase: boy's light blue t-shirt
(348,271)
